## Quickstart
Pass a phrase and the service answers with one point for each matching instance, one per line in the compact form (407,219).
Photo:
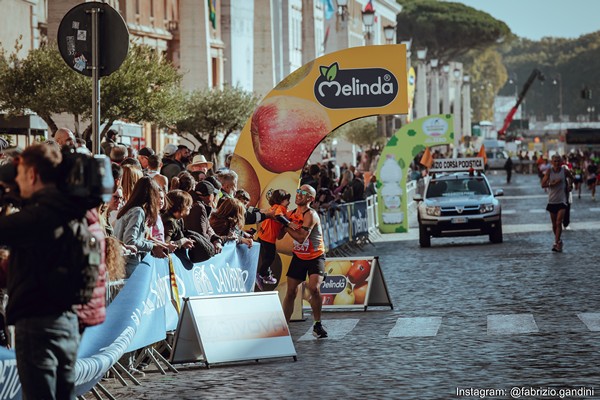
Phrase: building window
(137,7)
(215,72)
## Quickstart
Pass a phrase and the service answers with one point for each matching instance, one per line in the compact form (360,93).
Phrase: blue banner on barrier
(142,312)
(360,223)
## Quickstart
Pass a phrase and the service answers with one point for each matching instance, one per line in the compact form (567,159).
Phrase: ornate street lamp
(368,19)
(342,9)
(389,32)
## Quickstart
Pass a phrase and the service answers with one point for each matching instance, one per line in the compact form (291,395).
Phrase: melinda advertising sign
(355,88)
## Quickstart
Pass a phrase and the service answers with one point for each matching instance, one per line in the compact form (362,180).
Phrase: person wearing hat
(199,163)
(143,155)
(171,167)
(204,196)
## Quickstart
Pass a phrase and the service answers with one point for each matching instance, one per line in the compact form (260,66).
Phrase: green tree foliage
(568,65)
(488,75)
(41,83)
(144,88)
(213,115)
(448,30)
(362,132)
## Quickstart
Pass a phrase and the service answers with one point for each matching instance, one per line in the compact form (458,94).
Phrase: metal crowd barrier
(349,226)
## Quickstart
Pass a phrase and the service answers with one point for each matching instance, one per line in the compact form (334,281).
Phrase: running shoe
(318,331)
(269,279)
(559,246)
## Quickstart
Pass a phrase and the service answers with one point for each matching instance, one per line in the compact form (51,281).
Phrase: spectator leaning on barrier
(140,210)
(204,195)
(46,326)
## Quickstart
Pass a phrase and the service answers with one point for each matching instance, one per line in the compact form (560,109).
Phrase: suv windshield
(457,187)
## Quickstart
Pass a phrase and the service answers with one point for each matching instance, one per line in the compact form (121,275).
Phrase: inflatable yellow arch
(304,108)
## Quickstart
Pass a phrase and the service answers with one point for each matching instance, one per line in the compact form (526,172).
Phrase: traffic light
(586,94)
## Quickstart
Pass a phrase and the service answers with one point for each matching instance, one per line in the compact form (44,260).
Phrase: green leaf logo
(330,72)
(411,132)
(393,141)
(417,149)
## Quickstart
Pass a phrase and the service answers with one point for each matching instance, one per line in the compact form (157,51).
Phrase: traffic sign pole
(95,82)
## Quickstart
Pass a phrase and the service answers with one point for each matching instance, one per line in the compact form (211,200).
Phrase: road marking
(594,209)
(511,324)
(336,329)
(537,211)
(420,326)
(507,212)
(591,320)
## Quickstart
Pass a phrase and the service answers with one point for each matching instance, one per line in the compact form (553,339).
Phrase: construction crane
(536,73)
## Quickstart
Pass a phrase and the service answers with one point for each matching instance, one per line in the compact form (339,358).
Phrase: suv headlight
(434,210)
(486,208)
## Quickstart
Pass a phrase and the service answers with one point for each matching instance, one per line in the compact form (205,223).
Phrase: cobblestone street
(467,314)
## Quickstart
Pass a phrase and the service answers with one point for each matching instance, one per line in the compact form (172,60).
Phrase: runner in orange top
(308,258)
(270,230)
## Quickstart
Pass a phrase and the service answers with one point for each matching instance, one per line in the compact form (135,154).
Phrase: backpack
(75,274)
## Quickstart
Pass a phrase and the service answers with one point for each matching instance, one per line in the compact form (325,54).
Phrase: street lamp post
(558,81)
(466,108)
(457,110)
(434,104)
(446,89)
(421,100)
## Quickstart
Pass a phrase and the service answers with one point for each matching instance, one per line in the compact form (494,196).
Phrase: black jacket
(31,237)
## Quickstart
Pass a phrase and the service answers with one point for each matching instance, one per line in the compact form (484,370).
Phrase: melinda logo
(355,88)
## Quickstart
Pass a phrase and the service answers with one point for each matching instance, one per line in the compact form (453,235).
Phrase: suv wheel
(496,233)
(424,237)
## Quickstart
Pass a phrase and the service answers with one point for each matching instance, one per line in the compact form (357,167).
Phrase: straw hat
(199,159)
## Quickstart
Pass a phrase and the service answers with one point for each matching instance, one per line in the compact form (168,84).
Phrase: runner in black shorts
(300,269)
(308,259)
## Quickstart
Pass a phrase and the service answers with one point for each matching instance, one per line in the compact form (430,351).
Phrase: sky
(534,19)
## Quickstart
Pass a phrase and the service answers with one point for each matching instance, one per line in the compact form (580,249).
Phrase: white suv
(459,204)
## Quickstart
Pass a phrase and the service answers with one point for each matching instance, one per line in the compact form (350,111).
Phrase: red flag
(426,159)
(482,154)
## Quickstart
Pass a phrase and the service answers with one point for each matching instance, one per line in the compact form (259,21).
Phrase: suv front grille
(467,210)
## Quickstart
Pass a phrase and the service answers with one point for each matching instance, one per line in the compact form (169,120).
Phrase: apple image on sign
(359,271)
(285,130)
(337,267)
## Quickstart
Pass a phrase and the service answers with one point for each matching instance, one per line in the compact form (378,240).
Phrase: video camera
(82,176)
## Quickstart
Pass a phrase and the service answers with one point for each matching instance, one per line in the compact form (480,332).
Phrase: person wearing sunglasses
(308,257)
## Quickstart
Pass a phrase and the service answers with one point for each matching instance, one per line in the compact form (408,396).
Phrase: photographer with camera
(46,325)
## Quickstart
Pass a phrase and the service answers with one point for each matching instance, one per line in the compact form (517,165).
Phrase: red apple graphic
(359,271)
(285,130)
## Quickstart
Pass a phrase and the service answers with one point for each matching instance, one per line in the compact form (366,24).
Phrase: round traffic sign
(75,38)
